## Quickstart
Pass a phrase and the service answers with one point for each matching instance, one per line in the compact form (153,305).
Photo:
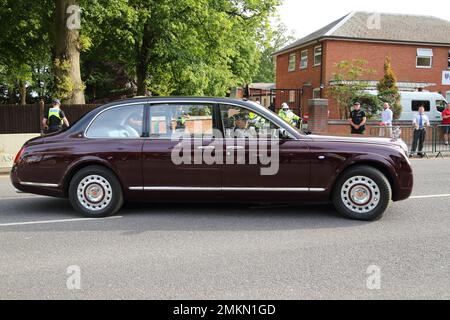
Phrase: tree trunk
(143,50)
(67,54)
(23,92)
(141,75)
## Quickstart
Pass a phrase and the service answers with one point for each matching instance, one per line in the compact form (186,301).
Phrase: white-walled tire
(95,192)
(362,193)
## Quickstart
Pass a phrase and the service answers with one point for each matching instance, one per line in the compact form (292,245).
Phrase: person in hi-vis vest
(55,118)
(290,117)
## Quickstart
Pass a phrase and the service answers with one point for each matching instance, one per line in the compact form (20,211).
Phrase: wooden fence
(28,118)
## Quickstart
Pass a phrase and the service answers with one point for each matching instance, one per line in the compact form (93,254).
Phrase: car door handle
(321,157)
(235,148)
(207,148)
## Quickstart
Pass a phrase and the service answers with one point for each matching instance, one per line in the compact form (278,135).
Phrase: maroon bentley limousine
(209,150)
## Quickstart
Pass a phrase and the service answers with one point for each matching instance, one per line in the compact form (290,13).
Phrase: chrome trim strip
(228,189)
(268,189)
(36,184)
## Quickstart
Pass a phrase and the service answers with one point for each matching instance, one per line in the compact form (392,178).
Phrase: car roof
(146,100)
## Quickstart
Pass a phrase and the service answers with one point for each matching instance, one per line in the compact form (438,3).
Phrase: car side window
(241,123)
(415,105)
(125,122)
(194,120)
(440,105)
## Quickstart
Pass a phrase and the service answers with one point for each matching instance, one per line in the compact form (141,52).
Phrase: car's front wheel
(95,192)
(362,193)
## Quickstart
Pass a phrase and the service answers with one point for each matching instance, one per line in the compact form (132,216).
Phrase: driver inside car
(241,126)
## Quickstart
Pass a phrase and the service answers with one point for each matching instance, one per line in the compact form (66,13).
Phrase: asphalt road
(228,252)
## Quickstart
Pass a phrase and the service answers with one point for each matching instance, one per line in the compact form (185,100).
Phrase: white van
(411,101)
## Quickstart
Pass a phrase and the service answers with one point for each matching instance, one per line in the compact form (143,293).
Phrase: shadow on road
(145,217)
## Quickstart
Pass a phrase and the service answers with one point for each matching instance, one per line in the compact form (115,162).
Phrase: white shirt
(425,120)
(387,116)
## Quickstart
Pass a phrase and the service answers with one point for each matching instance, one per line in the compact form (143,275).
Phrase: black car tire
(95,192)
(362,193)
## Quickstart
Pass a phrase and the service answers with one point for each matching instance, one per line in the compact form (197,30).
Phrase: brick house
(419,47)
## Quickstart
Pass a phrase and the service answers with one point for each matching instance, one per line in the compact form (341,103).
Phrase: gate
(293,97)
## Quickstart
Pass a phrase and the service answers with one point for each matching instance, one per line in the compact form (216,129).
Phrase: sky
(306,16)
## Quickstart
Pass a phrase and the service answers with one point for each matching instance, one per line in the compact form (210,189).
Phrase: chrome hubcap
(360,194)
(94,193)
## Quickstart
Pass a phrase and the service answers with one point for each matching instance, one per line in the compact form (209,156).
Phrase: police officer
(357,119)
(255,121)
(55,119)
(181,121)
(287,115)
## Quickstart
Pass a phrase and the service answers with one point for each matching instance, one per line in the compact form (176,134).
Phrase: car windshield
(276,114)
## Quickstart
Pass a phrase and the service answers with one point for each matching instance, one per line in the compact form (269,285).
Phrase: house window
(316,93)
(304,60)
(424,58)
(292,96)
(448,67)
(317,56)
(292,62)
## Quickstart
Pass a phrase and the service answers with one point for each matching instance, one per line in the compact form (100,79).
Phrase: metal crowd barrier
(442,135)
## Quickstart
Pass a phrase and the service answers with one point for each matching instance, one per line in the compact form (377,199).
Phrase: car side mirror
(283,134)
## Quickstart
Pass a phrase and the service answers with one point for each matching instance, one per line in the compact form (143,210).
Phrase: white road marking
(431,196)
(56,221)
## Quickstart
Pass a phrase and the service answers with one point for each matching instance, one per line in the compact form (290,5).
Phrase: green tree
(388,90)
(159,47)
(347,83)
(275,39)
(187,47)
(24,44)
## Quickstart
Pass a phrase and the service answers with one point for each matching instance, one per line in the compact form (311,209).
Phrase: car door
(178,136)
(259,164)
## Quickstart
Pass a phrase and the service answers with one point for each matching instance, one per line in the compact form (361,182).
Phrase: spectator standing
(420,123)
(357,119)
(55,118)
(446,123)
(387,116)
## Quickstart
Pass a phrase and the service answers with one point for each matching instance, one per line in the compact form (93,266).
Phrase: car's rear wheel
(362,193)
(95,192)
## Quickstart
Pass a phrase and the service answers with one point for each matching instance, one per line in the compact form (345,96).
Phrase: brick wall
(297,78)
(403,60)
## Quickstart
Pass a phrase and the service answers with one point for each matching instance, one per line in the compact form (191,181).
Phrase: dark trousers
(419,138)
